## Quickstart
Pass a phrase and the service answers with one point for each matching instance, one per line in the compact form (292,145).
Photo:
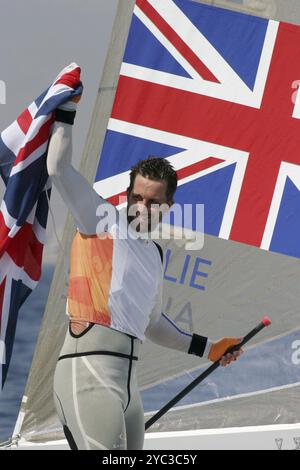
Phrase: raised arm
(79,196)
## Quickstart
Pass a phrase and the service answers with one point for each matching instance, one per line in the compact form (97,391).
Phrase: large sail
(226,287)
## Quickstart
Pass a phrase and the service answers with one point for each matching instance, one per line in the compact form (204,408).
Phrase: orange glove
(76,98)
(67,111)
(219,348)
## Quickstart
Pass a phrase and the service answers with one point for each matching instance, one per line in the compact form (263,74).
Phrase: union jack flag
(24,209)
(216,93)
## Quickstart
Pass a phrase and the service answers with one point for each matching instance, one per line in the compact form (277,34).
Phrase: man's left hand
(219,348)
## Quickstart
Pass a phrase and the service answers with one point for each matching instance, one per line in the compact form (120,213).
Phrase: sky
(37,39)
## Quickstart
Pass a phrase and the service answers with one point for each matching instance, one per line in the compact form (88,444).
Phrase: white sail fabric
(222,290)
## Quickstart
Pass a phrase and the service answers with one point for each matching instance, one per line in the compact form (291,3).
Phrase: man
(114,301)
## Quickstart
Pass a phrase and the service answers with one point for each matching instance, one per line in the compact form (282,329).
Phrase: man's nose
(145,204)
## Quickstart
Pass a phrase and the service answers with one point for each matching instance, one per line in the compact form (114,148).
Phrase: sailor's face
(144,201)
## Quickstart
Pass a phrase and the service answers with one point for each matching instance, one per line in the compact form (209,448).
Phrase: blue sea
(29,322)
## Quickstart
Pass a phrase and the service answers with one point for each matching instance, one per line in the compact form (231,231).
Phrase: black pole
(264,322)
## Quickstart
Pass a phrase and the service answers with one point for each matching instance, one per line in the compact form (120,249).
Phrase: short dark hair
(157,169)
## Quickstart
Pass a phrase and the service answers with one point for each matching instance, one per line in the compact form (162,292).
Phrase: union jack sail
(216,93)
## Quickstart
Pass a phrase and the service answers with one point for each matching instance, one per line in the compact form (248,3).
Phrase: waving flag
(24,209)
(214,92)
